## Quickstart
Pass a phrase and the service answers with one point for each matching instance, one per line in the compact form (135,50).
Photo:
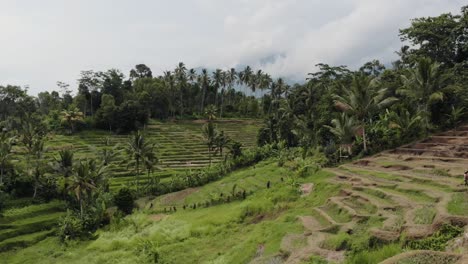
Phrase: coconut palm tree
(423,84)
(204,82)
(344,128)
(221,142)
(217,77)
(138,149)
(39,166)
(64,165)
(169,81)
(181,76)
(245,76)
(71,117)
(232,77)
(362,100)
(84,181)
(108,152)
(209,133)
(210,112)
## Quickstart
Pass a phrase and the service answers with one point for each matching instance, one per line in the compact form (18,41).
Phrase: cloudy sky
(42,42)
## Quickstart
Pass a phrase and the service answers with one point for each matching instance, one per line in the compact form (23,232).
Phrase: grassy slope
(228,233)
(177,143)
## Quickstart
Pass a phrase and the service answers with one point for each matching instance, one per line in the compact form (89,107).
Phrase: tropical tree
(84,181)
(217,77)
(221,141)
(39,167)
(363,99)
(138,149)
(204,82)
(71,118)
(108,152)
(181,77)
(344,128)
(210,133)
(423,85)
(64,165)
(210,112)
(245,76)
(231,77)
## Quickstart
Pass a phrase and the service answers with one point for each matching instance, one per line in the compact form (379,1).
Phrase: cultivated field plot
(414,189)
(179,146)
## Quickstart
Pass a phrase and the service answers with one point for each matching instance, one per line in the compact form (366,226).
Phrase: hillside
(180,146)
(364,211)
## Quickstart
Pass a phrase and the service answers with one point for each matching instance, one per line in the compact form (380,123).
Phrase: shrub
(124,200)
(70,227)
(438,241)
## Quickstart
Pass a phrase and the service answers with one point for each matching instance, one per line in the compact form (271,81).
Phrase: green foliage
(124,200)
(438,241)
(374,256)
(70,227)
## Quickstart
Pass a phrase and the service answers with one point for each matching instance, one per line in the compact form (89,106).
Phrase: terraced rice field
(179,145)
(24,226)
(413,189)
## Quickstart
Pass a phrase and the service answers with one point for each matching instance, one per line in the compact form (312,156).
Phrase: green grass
(226,233)
(337,242)
(424,215)
(338,214)
(459,204)
(374,256)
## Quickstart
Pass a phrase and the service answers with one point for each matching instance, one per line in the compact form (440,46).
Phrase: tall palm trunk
(364,138)
(203,100)
(222,104)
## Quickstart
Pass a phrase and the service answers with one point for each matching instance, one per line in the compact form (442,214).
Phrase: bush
(70,227)
(438,241)
(124,200)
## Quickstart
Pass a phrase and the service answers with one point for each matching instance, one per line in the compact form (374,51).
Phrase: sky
(42,42)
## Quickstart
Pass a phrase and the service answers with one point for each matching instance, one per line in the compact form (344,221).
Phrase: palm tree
(181,76)
(224,83)
(169,81)
(217,81)
(192,75)
(84,181)
(149,161)
(245,77)
(344,128)
(222,141)
(108,152)
(210,112)
(231,79)
(64,164)
(71,117)
(209,133)
(204,82)
(362,100)
(37,173)
(423,85)
(138,149)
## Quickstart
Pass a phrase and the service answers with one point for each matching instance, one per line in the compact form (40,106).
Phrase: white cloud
(50,40)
